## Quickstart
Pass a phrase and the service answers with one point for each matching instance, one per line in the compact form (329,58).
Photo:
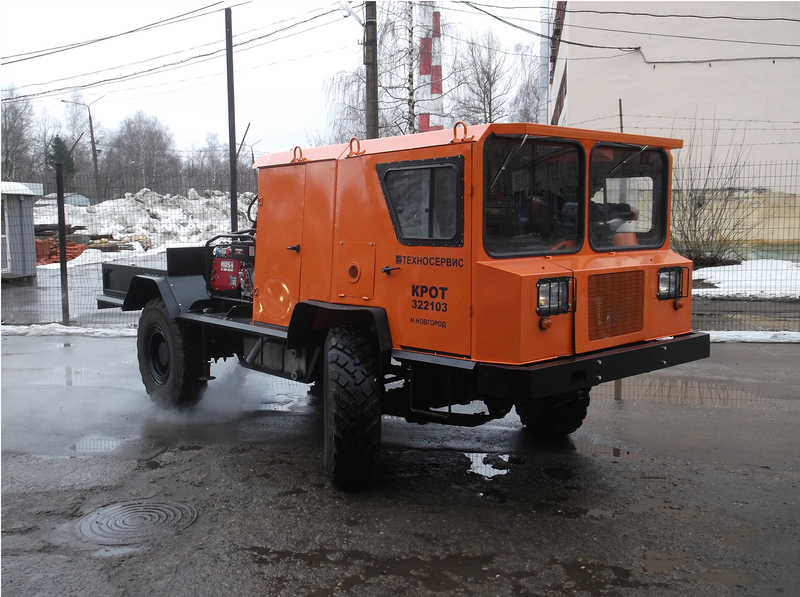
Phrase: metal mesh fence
(744,235)
(741,226)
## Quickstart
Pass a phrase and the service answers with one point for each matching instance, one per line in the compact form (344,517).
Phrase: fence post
(62,243)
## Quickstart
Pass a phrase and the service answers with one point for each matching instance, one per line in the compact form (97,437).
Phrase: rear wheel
(352,394)
(169,358)
(555,417)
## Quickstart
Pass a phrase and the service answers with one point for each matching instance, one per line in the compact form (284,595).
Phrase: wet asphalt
(680,483)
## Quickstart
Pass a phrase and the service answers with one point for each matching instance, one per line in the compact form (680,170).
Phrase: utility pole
(94,145)
(371,63)
(231,120)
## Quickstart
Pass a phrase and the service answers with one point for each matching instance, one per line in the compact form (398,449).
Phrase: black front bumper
(528,382)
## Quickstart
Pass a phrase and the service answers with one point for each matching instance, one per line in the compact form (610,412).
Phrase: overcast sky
(279,80)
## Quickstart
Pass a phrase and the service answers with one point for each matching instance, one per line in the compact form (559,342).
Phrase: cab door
(423,275)
(280,253)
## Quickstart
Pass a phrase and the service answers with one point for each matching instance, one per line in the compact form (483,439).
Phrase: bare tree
(142,154)
(525,105)
(347,115)
(712,210)
(17,135)
(485,89)
(46,130)
(214,163)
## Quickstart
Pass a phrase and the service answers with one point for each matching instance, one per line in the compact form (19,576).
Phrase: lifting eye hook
(464,138)
(357,150)
(298,155)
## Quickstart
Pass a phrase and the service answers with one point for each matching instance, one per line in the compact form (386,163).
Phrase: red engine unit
(225,274)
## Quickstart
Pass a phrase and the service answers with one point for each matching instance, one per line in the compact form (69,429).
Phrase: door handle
(388,270)
(294,248)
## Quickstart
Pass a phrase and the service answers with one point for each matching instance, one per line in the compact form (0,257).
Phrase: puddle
(269,405)
(261,406)
(678,392)
(659,562)
(653,479)
(60,376)
(590,449)
(434,574)
(488,465)
(728,577)
(596,578)
(663,561)
(97,444)
(132,448)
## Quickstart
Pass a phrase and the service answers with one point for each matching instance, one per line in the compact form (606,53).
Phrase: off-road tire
(352,414)
(557,416)
(169,358)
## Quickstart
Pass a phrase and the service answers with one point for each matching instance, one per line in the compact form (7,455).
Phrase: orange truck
(443,277)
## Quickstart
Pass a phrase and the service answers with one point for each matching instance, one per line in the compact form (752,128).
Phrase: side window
(425,200)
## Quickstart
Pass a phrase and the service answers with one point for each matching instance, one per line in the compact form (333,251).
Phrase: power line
(58,49)
(508,21)
(648,14)
(685,16)
(676,36)
(190,61)
(543,36)
(170,54)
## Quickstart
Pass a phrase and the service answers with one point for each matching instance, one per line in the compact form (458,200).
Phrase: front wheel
(169,358)
(555,417)
(352,415)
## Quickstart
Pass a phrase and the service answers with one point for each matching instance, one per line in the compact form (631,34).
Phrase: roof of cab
(459,134)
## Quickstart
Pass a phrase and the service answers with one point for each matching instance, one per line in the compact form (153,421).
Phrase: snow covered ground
(751,280)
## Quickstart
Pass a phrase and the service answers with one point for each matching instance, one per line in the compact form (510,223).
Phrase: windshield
(627,197)
(532,189)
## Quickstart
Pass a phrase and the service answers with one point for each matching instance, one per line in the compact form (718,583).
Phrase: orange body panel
(506,324)
(452,300)
(427,298)
(280,225)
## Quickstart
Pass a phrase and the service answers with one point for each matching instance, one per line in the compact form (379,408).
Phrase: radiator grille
(616,304)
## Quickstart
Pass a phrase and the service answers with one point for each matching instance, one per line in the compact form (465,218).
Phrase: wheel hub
(158,355)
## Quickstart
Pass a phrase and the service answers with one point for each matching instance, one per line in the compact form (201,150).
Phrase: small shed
(18,249)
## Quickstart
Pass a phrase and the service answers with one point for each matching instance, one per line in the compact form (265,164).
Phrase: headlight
(669,283)
(554,296)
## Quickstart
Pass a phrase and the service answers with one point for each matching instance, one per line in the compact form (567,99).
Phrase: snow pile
(753,280)
(762,337)
(56,329)
(149,218)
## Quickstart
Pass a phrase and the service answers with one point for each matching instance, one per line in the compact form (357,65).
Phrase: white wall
(688,73)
